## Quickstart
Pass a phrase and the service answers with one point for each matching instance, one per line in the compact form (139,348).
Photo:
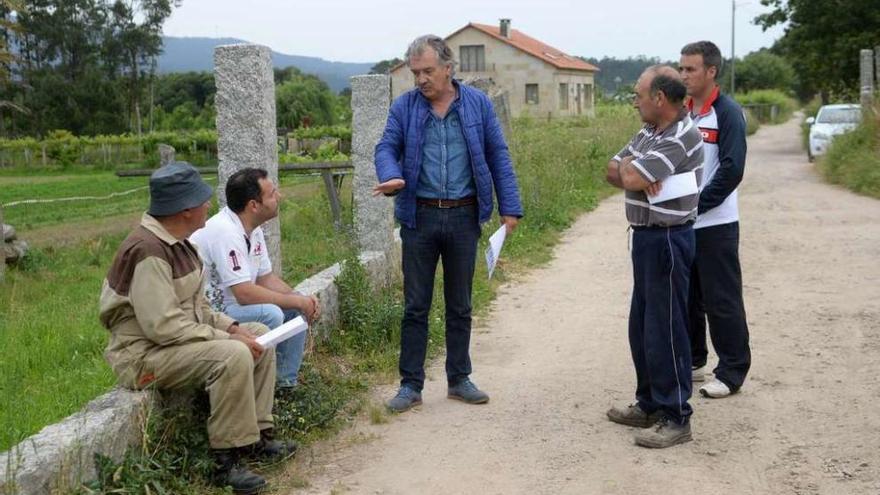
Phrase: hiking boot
(405,400)
(231,472)
(467,391)
(716,389)
(269,449)
(665,433)
(699,373)
(633,415)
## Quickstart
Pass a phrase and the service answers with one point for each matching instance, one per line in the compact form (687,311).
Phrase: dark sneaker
(664,434)
(231,472)
(269,449)
(633,415)
(405,400)
(466,391)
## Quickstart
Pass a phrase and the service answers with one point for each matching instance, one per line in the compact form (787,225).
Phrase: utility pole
(732,47)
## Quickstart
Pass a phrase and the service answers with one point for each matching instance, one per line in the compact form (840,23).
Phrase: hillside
(197,54)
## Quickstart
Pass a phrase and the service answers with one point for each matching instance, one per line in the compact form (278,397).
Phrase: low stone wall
(61,456)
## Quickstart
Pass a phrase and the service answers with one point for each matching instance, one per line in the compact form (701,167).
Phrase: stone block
(60,457)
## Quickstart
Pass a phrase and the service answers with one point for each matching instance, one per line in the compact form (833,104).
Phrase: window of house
(563,96)
(588,95)
(472,58)
(532,94)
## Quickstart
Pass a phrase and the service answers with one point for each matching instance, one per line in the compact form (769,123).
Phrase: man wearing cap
(164,335)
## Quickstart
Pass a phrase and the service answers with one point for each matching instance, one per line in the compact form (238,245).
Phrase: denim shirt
(446,171)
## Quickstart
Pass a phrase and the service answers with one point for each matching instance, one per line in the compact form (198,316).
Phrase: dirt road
(553,354)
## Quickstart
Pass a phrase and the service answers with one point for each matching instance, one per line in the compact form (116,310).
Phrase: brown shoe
(665,433)
(633,415)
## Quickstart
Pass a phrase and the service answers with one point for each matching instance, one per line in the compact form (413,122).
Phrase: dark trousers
(658,335)
(716,294)
(450,234)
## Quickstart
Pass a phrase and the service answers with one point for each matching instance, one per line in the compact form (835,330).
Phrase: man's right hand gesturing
(389,188)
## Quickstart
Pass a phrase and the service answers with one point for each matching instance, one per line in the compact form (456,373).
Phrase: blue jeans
(288,354)
(450,234)
(658,319)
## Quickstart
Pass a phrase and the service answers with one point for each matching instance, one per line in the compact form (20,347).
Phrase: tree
(9,25)
(764,70)
(302,99)
(133,40)
(822,41)
(617,76)
(385,66)
(80,65)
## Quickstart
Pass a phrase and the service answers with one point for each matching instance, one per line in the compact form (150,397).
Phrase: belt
(673,228)
(447,203)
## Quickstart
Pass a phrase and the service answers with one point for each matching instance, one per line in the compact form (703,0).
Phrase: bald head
(659,94)
(665,79)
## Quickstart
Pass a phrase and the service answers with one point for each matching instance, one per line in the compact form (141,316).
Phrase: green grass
(561,168)
(853,159)
(26,217)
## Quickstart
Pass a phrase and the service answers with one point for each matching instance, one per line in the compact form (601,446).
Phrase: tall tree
(822,41)
(764,70)
(133,41)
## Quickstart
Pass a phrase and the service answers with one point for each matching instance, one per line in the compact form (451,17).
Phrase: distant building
(540,80)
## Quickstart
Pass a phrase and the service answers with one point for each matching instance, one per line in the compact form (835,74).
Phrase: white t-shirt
(230,256)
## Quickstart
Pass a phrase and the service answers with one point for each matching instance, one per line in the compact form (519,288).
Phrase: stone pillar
(877,65)
(867,79)
(501,104)
(373,216)
(246,135)
(166,154)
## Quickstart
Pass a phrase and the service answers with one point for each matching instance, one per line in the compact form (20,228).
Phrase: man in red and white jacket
(716,277)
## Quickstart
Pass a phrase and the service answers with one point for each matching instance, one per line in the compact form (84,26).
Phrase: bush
(761,101)
(752,123)
(853,160)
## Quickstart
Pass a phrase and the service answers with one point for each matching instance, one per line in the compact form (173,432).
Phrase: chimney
(505,28)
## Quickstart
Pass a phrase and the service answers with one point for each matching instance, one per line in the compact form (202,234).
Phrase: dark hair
(672,87)
(244,186)
(710,52)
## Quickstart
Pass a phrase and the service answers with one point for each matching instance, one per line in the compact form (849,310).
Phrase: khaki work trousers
(240,389)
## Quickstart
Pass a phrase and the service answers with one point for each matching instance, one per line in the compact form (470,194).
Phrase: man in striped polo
(662,252)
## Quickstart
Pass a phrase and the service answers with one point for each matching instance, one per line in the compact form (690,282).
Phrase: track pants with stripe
(658,319)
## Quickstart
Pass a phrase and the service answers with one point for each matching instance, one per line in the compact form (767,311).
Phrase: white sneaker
(699,374)
(716,389)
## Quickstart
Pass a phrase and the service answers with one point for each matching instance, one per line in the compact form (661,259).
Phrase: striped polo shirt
(658,154)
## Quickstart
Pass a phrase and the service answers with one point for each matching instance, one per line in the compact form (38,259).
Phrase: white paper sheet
(282,333)
(493,250)
(676,186)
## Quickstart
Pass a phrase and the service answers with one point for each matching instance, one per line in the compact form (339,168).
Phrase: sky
(373,30)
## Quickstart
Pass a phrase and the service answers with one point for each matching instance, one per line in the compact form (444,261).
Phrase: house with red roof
(540,80)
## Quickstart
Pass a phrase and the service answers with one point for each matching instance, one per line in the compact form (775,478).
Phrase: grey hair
(436,43)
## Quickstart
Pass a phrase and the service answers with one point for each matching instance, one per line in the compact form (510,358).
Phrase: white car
(829,122)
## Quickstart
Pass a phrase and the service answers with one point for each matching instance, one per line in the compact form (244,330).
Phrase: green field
(50,339)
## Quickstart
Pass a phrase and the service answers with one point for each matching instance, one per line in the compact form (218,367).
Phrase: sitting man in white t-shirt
(241,283)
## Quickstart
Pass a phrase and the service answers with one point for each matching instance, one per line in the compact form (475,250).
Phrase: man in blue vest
(716,277)
(441,155)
